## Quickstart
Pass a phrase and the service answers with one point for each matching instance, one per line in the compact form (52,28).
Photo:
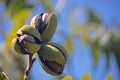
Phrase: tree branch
(30,62)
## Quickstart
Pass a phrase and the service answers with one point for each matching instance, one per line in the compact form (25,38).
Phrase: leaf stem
(30,62)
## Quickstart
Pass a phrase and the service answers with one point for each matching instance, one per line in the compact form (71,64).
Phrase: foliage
(86,76)
(67,78)
(4,76)
(102,40)
(109,77)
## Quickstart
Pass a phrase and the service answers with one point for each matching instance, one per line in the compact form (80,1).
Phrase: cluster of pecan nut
(35,38)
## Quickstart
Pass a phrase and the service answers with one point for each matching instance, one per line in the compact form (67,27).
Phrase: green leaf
(84,34)
(21,16)
(13,7)
(115,44)
(68,45)
(108,59)
(95,52)
(19,21)
(67,78)
(59,77)
(93,17)
(109,77)
(86,76)
(3,75)
(47,4)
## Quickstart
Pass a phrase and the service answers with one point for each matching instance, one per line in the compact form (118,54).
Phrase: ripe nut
(52,58)
(46,24)
(28,41)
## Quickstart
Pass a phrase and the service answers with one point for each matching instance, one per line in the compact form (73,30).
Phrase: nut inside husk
(46,24)
(28,41)
(52,58)
(28,29)
(50,67)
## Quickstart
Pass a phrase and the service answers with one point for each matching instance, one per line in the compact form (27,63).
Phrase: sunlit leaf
(67,78)
(19,21)
(109,77)
(95,52)
(21,16)
(85,35)
(68,45)
(75,30)
(86,76)
(3,75)
(47,4)
(13,7)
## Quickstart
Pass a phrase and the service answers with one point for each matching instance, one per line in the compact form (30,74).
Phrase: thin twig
(30,62)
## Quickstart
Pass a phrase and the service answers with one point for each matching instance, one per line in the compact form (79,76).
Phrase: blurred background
(88,29)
